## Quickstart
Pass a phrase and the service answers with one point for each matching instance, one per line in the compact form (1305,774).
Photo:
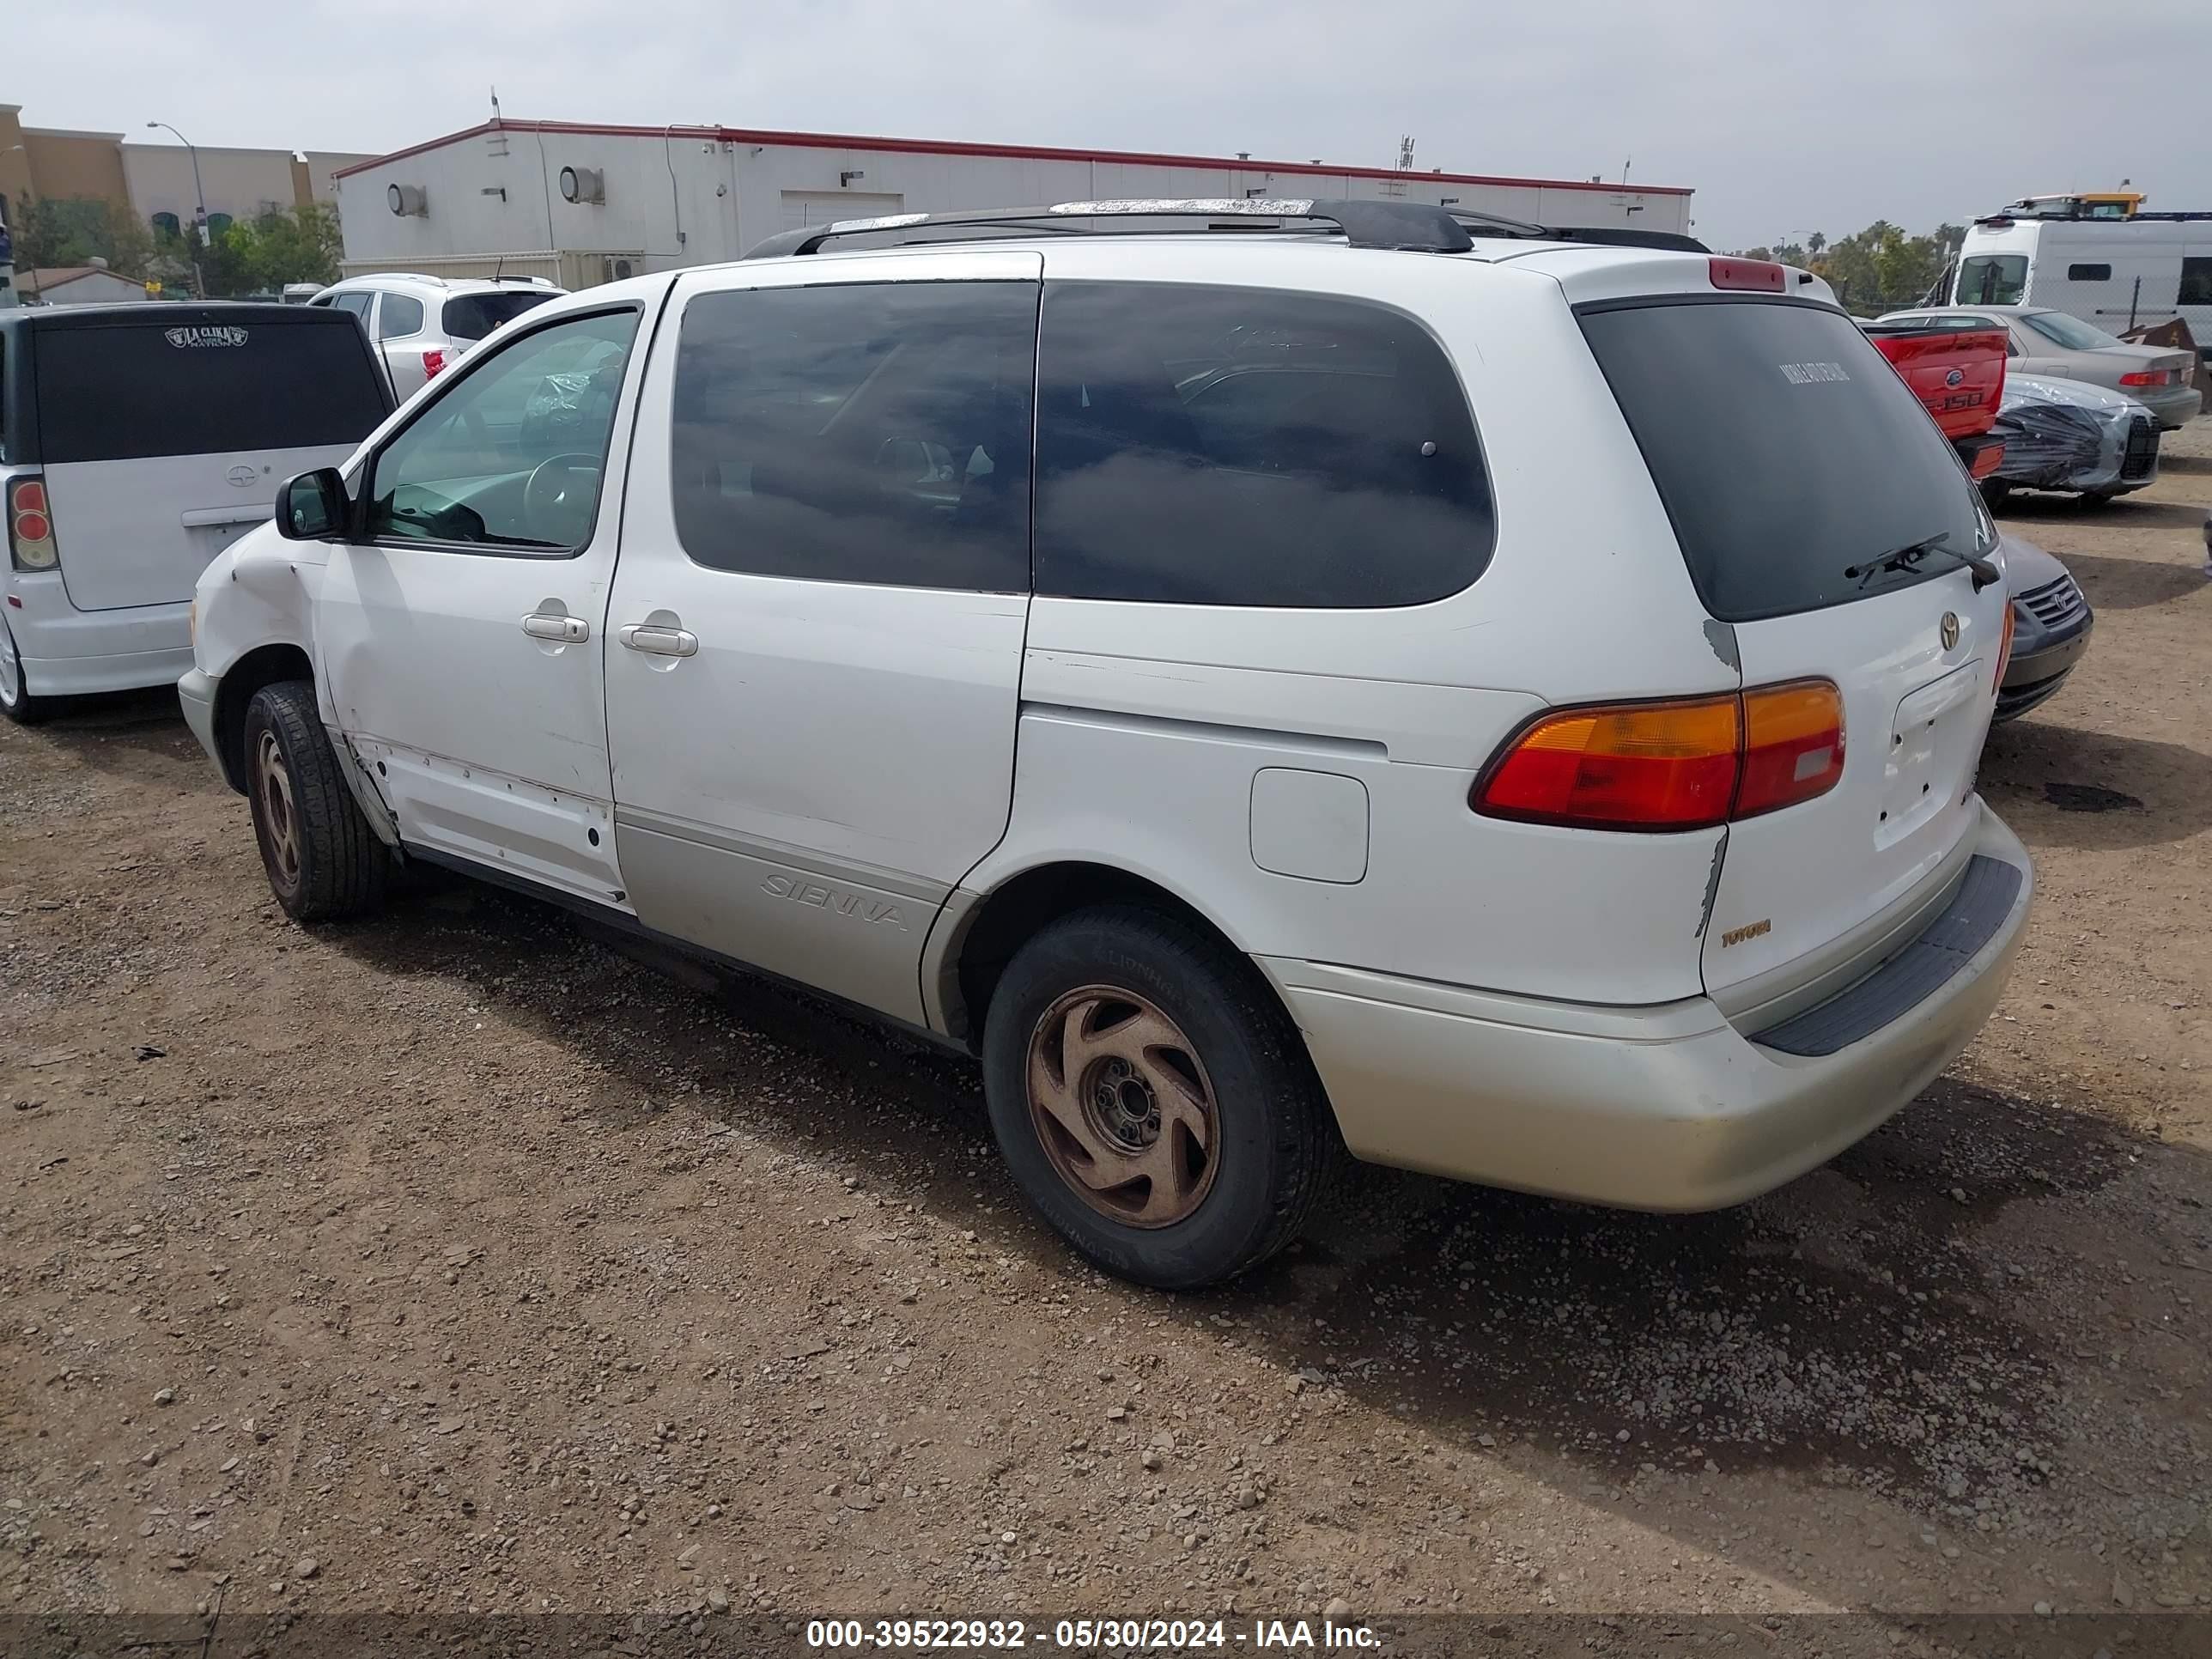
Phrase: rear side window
(402,315)
(2089,273)
(472,316)
(864,432)
(2197,281)
(115,393)
(1242,446)
(1992,279)
(1785,448)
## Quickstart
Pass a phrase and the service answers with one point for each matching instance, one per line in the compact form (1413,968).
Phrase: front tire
(17,701)
(322,860)
(1153,1099)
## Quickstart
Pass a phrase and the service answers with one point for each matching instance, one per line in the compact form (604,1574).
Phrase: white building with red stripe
(580,203)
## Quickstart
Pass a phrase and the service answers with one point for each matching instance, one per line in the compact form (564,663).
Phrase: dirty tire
(322,860)
(1275,1143)
(17,701)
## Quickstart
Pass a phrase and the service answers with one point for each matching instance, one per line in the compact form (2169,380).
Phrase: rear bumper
(66,651)
(2176,407)
(1664,1108)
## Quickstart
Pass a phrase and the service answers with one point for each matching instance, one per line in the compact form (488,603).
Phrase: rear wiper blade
(1905,557)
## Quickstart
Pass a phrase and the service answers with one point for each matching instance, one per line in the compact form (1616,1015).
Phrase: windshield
(1785,448)
(472,316)
(2069,331)
(1992,279)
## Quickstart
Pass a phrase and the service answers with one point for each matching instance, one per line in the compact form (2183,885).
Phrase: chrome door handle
(567,630)
(659,641)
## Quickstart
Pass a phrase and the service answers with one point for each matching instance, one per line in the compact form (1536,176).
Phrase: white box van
(137,441)
(2117,273)
(1505,707)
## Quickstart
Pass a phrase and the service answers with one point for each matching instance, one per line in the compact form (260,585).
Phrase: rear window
(122,393)
(2069,331)
(472,316)
(1785,448)
(1242,446)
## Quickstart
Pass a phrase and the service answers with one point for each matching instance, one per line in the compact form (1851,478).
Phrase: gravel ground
(453,1262)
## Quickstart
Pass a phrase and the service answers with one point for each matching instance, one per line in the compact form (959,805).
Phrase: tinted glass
(511,456)
(1992,279)
(472,316)
(118,392)
(2089,273)
(356,303)
(870,433)
(402,315)
(1235,446)
(2196,281)
(2069,331)
(1785,449)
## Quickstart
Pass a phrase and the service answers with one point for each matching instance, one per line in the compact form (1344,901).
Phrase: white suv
(1505,707)
(422,326)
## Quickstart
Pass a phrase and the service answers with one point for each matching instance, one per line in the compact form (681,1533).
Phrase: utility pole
(199,224)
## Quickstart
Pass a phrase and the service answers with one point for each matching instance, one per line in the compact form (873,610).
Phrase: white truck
(2101,257)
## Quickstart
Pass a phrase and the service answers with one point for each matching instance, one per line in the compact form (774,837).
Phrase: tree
(299,245)
(75,230)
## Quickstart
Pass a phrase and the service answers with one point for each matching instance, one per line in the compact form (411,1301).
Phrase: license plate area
(1933,740)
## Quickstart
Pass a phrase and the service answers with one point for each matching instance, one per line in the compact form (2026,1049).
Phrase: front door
(817,620)
(460,638)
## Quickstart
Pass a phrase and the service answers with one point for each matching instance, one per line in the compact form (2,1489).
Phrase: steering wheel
(558,496)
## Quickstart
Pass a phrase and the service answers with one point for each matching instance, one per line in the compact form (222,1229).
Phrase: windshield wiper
(1905,557)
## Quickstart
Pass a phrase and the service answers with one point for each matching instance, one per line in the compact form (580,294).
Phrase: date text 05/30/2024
(1087,1635)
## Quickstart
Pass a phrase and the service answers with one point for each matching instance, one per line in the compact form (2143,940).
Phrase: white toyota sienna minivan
(1268,677)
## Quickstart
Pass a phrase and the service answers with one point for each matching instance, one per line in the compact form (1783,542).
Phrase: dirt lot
(452,1261)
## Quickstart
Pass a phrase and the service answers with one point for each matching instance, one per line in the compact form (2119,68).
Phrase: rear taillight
(1987,459)
(1631,766)
(1664,766)
(31,525)
(1793,745)
(1757,274)
(2145,377)
(434,364)
(2004,647)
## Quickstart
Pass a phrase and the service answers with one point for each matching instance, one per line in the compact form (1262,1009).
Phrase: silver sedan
(2052,342)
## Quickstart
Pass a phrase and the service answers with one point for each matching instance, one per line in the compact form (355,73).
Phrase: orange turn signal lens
(2004,647)
(1629,766)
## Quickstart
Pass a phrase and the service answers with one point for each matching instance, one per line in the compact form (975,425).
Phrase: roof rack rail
(1411,226)
(1405,225)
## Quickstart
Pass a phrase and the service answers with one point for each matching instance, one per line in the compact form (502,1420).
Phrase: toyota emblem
(1949,630)
(241,474)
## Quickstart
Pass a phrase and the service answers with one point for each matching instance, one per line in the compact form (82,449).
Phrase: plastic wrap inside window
(2062,434)
(573,404)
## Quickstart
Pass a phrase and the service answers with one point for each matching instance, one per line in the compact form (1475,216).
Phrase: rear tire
(1153,1100)
(322,860)
(1996,493)
(17,701)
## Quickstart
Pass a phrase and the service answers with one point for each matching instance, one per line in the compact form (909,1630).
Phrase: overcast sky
(1784,118)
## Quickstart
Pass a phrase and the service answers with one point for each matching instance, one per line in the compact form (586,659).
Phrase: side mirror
(313,507)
